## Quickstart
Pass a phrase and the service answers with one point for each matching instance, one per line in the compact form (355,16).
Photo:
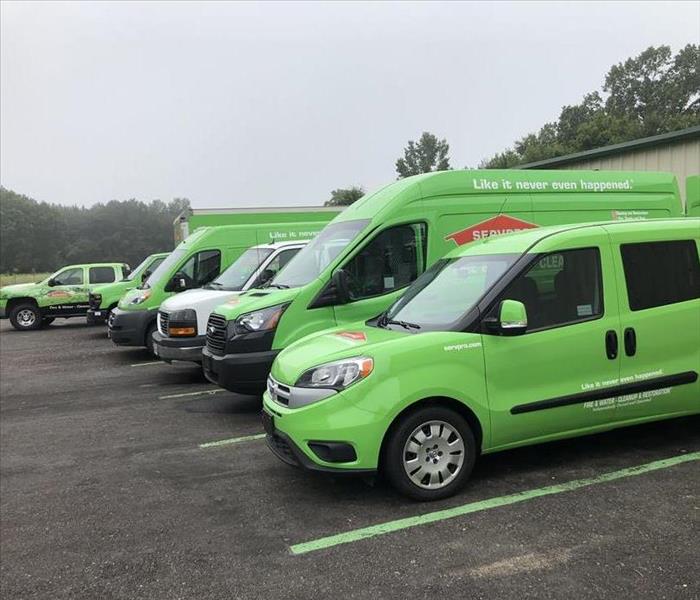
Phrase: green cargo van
(514,340)
(364,259)
(194,263)
(63,294)
(103,298)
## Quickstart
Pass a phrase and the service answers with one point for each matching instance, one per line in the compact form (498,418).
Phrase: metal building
(677,152)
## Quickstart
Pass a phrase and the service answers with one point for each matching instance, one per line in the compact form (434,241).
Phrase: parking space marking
(146,364)
(236,440)
(465,509)
(201,392)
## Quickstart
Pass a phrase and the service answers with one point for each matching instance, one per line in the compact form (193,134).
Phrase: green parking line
(236,440)
(440,515)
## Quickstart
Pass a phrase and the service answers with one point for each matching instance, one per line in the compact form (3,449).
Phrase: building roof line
(647,142)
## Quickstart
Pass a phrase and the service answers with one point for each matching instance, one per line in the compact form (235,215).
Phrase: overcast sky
(247,104)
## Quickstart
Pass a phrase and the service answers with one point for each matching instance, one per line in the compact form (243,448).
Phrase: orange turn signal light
(181,331)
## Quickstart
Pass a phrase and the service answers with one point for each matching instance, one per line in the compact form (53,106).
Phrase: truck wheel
(46,321)
(430,453)
(25,317)
(149,338)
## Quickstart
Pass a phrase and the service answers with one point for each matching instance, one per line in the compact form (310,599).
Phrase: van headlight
(337,375)
(259,320)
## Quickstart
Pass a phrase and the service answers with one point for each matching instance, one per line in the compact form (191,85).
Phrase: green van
(103,298)
(364,259)
(194,263)
(63,294)
(509,341)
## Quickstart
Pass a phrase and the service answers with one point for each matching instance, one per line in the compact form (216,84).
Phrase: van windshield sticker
(494,226)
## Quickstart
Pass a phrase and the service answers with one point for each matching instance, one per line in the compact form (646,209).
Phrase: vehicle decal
(610,393)
(458,347)
(60,294)
(630,215)
(497,225)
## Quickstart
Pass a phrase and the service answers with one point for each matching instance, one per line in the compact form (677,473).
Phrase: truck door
(659,281)
(548,380)
(380,271)
(67,293)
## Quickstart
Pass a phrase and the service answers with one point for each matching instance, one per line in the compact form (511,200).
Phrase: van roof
(501,182)
(521,241)
(277,245)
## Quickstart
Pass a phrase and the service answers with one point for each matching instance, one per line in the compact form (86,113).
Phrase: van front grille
(163,322)
(216,334)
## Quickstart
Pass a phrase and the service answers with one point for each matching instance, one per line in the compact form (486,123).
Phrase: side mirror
(145,275)
(335,292)
(177,284)
(51,282)
(512,318)
(265,277)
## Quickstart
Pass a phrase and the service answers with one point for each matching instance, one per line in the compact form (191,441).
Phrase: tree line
(653,93)
(40,237)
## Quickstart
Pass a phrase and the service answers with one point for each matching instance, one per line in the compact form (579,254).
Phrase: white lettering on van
(484,184)
(458,347)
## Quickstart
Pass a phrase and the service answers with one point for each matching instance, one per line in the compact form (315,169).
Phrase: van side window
(660,273)
(390,261)
(561,288)
(201,268)
(101,274)
(69,277)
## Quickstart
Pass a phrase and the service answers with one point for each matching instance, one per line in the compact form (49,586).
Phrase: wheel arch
(12,302)
(459,407)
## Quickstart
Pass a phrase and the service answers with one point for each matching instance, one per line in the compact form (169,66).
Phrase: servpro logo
(493,226)
(59,294)
(355,336)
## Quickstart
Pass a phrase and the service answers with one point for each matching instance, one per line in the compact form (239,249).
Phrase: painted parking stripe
(465,509)
(236,440)
(201,392)
(146,364)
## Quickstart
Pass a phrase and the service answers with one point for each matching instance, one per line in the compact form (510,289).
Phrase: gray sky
(246,104)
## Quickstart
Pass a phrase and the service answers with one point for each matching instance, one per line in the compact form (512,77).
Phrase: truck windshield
(319,253)
(440,297)
(235,277)
(174,258)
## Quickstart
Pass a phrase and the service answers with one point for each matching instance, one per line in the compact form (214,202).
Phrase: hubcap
(26,317)
(433,455)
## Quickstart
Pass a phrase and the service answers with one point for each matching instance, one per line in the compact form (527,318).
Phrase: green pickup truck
(64,294)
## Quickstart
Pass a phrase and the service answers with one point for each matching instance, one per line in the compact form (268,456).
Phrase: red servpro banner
(493,226)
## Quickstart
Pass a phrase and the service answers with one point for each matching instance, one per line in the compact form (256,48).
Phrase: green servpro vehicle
(692,196)
(64,294)
(514,340)
(367,256)
(104,298)
(195,262)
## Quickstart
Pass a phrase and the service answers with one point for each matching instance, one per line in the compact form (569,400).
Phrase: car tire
(25,317)
(149,338)
(46,321)
(430,453)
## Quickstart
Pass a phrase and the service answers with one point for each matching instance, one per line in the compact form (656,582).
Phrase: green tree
(345,196)
(425,156)
(652,93)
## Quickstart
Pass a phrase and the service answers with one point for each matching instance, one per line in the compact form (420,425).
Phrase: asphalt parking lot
(126,478)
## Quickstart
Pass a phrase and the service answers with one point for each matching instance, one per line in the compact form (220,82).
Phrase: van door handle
(630,341)
(611,344)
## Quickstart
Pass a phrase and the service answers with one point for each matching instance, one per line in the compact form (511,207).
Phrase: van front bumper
(97,316)
(332,436)
(186,348)
(239,373)
(128,327)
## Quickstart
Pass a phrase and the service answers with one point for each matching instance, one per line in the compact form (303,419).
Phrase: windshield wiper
(384,320)
(279,286)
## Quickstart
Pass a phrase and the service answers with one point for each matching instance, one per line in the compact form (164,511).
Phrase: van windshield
(439,298)
(137,270)
(319,253)
(234,278)
(174,258)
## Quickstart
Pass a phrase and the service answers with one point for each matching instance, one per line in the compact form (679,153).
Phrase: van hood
(254,300)
(194,298)
(330,345)
(18,289)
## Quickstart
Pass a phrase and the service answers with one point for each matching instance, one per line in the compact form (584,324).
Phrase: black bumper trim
(185,348)
(239,373)
(128,327)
